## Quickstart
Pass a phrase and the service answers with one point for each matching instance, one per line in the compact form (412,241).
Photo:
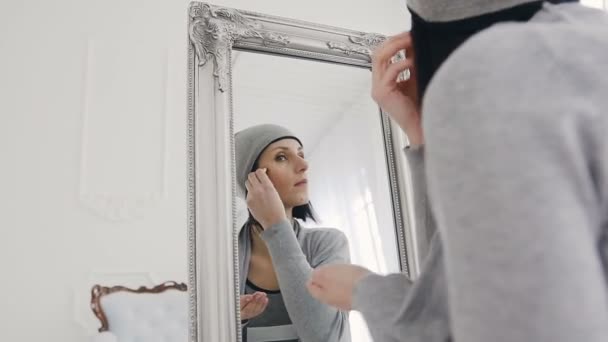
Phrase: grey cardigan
(295,252)
(517,164)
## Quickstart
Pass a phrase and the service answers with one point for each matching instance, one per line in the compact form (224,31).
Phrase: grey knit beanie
(250,143)
(447,10)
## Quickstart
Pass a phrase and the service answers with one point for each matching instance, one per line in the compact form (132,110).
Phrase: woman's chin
(300,201)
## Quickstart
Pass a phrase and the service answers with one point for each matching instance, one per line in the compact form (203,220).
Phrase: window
(600,4)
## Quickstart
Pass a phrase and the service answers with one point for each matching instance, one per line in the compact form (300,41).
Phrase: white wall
(92,140)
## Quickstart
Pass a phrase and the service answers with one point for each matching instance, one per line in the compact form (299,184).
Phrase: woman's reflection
(276,254)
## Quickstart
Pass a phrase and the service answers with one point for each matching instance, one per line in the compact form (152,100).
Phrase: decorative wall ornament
(363,45)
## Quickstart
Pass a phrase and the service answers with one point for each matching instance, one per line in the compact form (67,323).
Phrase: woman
(276,254)
(516,176)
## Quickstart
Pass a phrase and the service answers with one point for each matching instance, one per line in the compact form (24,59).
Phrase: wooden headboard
(98,291)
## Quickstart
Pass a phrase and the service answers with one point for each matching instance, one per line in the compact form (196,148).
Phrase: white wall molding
(103,189)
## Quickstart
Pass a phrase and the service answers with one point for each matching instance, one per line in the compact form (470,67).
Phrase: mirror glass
(329,109)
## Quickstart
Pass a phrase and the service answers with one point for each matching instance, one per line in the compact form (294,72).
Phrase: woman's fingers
(246,301)
(247,185)
(263,200)
(316,291)
(393,71)
(257,178)
(254,309)
(257,297)
(263,177)
(260,296)
(246,312)
(384,71)
(263,303)
(253,180)
(388,82)
(383,53)
(253,304)
(258,305)
(246,298)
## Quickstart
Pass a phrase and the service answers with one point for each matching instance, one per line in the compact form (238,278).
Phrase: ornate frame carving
(213,33)
(98,292)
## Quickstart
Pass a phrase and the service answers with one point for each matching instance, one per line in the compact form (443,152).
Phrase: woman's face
(287,170)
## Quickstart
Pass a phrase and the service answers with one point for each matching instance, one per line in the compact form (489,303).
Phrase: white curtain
(349,190)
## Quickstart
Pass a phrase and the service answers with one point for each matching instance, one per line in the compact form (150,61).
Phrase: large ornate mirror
(305,88)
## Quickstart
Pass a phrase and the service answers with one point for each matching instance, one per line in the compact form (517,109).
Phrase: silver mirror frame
(213,32)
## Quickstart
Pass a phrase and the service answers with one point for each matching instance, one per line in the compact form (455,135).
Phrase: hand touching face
(279,184)
(398,98)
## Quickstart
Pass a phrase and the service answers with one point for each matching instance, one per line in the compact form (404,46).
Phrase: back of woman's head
(439,27)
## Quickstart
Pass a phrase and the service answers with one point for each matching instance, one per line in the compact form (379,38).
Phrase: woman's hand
(398,99)
(263,199)
(335,284)
(253,305)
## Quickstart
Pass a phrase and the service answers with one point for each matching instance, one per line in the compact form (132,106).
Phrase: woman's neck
(258,245)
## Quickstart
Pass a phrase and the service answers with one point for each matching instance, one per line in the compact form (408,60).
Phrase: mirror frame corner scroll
(213,32)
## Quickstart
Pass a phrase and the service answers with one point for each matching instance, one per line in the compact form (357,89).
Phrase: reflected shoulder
(324,233)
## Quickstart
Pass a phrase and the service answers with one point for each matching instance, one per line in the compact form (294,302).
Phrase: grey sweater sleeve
(517,161)
(425,222)
(313,320)
(397,309)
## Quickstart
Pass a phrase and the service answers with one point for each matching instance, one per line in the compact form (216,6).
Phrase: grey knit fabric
(250,143)
(517,170)
(447,10)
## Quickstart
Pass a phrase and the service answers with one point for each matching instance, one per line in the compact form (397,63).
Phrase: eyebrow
(287,149)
